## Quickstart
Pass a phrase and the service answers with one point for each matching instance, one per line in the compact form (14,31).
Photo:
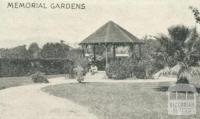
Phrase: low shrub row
(39,77)
(127,68)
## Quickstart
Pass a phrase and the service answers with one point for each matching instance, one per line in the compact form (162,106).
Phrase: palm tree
(180,45)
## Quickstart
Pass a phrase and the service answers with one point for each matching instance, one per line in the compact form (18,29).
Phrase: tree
(55,50)
(178,35)
(192,39)
(178,45)
(148,59)
(19,52)
(34,50)
(196,13)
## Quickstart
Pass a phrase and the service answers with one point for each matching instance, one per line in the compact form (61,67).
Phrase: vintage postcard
(99,59)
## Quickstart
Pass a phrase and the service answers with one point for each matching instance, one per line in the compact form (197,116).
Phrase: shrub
(126,68)
(14,67)
(39,77)
(76,56)
(85,65)
(139,70)
(82,62)
(120,69)
(79,73)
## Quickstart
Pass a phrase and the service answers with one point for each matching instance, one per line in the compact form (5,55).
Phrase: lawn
(120,100)
(6,82)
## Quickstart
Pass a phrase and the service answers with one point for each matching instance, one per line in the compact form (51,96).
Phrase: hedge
(126,68)
(24,67)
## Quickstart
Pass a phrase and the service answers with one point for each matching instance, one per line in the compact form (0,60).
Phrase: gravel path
(29,102)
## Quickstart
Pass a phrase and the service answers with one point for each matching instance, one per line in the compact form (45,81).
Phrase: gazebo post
(94,53)
(106,55)
(132,50)
(140,51)
(114,52)
(83,50)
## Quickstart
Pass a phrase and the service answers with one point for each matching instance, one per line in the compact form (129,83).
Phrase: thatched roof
(111,33)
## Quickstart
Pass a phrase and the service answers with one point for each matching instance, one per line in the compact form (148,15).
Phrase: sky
(139,17)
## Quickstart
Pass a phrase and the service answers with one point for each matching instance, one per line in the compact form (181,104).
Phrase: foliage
(19,52)
(39,77)
(150,59)
(118,70)
(34,50)
(55,66)
(183,75)
(143,69)
(126,68)
(54,50)
(19,61)
(79,73)
(49,50)
(196,13)
(188,74)
(24,67)
(115,72)
(14,67)
(178,46)
(76,55)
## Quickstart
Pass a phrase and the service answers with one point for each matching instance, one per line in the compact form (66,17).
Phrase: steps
(98,75)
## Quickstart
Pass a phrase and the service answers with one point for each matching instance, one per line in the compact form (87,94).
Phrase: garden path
(29,102)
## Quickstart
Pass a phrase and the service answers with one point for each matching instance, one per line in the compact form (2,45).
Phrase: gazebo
(113,35)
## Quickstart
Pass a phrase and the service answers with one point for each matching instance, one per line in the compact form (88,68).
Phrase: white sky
(140,17)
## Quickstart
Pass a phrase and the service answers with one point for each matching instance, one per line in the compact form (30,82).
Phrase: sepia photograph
(108,59)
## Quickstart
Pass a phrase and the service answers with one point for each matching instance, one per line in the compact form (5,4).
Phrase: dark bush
(138,70)
(79,73)
(126,68)
(119,69)
(9,67)
(39,77)
(84,63)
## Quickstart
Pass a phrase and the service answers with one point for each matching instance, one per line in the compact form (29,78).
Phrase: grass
(7,82)
(120,100)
